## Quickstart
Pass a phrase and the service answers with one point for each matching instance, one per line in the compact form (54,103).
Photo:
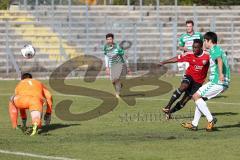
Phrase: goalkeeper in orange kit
(30,94)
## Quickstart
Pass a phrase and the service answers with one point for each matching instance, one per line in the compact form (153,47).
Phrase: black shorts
(193,86)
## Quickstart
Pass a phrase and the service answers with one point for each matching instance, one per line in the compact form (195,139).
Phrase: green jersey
(114,54)
(186,40)
(215,53)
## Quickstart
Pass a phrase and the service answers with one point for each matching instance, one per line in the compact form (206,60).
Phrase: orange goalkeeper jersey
(32,87)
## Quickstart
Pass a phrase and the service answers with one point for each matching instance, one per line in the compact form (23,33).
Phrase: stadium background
(62,29)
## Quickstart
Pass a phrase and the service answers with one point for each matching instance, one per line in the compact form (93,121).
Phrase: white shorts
(210,90)
(117,71)
(182,66)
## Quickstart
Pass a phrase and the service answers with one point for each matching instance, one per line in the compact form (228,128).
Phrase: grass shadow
(231,126)
(224,126)
(215,129)
(224,113)
(51,127)
(221,96)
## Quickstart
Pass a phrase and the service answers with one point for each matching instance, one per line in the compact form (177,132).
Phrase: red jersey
(198,65)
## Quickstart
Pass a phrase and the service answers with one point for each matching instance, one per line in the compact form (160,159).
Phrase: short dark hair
(211,36)
(26,75)
(199,41)
(109,35)
(190,21)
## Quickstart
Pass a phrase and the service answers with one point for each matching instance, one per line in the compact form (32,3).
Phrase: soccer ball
(28,51)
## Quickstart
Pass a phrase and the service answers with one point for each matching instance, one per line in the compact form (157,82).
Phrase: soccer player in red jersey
(194,76)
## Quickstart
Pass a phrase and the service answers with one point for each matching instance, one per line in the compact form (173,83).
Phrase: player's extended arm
(220,69)
(48,96)
(171,60)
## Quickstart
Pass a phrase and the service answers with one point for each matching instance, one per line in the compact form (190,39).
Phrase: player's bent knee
(196,96)
(183,87)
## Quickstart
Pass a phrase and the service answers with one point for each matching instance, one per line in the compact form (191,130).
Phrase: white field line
(34,155)
(140,98)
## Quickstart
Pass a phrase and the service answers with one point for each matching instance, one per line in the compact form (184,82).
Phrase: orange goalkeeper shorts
(28,102)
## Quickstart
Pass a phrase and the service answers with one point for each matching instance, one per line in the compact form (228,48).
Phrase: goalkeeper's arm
(47,116)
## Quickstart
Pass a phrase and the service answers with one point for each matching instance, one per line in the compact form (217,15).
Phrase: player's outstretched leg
(180,104)
(193,125)
(208,90)
(176,94)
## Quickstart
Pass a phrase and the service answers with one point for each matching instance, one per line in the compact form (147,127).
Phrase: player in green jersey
(115,63)
(218,82)
(185,42)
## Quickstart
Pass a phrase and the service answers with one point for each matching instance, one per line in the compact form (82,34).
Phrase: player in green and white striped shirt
(218,82)
(185,42)
(114,62)
(186,39)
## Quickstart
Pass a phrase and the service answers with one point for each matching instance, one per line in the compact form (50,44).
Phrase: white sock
(202,106)
(197,117)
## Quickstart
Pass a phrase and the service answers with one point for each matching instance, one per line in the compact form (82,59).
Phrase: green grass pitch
(122,135)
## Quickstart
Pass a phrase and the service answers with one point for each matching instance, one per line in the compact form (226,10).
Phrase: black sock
(177,107)
(176,94)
